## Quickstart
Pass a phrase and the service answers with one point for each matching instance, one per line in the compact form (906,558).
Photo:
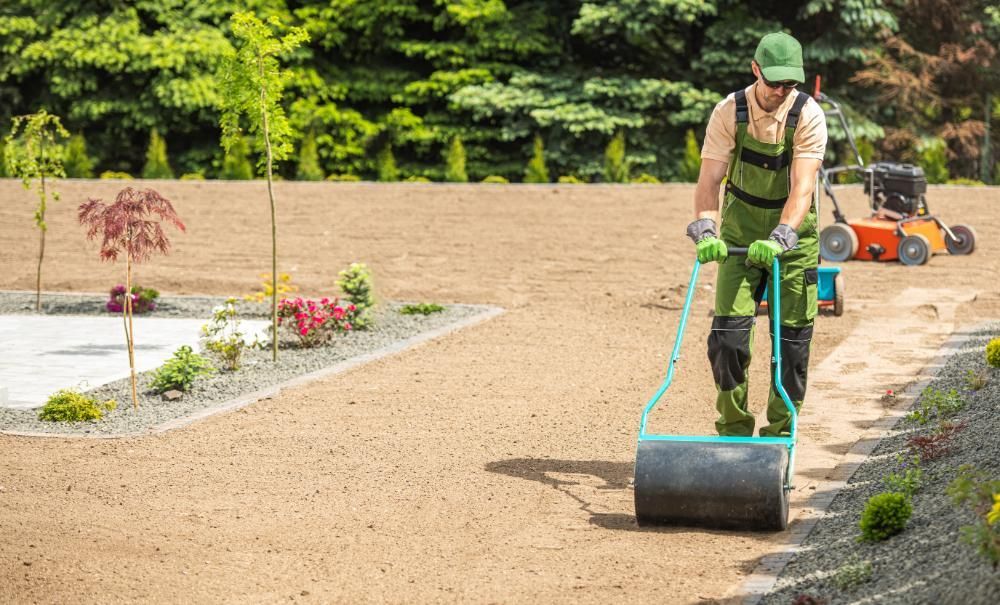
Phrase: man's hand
(762,252)
(709,247)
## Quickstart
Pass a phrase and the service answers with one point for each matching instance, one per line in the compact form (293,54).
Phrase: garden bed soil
(489,466)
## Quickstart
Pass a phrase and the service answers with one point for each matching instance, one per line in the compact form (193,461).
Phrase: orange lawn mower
(900,226)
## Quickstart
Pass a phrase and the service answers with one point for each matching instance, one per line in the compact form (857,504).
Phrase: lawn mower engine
(897,190)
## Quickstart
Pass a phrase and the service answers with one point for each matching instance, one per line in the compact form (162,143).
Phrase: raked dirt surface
(492,465)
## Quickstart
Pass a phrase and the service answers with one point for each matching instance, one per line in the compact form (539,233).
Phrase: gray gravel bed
(928,562)
(256,373)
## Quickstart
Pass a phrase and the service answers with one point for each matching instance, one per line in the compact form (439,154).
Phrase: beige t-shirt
(809,140)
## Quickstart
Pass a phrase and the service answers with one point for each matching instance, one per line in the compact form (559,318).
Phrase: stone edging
(265,393)
(765,575)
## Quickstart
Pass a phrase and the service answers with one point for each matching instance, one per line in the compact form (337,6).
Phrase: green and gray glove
(707,243)
(762,252)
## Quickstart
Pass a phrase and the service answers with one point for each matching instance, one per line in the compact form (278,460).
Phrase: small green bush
(907,478)
(976,380)
(180,371)
(646,178)
(68,405)
(222,335)
(976,489)
(157,165)
(455,162)
(885,515)
(569,179)
(111,174)
(993,353)
(616,165)
(966,182)
(936,404)
(309,168)
(78,164)
(385,165)
(192,176)
(236,164)
(356,282)
(933,155)
(416,178)
(853,573)
(536,171)
(421,309)
(691,161)
(344,178)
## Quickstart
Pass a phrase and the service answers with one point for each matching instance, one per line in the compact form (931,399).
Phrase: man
(768,141)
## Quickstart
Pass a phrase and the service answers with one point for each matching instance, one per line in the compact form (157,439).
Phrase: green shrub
(993,353)
(222,336)
(885,515)
(569,179)
(974,488)
(344,177)
(616,166)
(421,309)
(976,380)
(309,168)
(907,478)
(936,404)
(933,155)
(495,179)
(691,162)
(965,181)
(157,166)
(77,163)
(385,164)
(236,164)
(68,405)
(416,178)
(4,172)
(192,176)
(852,573)
(356,282)
(180,371)
(536,171)
(646,178)
(455,162)
(111,174)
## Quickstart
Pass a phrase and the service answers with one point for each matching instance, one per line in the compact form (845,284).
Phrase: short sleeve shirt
(809,140)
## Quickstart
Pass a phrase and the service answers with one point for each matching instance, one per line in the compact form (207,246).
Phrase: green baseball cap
(780,58)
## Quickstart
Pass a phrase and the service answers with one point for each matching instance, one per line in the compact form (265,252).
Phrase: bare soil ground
(489,466)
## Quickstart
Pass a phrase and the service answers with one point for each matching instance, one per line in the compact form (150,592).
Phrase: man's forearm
(706,194)
(803,178)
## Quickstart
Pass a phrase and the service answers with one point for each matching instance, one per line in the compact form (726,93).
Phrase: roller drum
(718,485)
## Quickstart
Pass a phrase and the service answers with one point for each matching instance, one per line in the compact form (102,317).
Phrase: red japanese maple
(131,226)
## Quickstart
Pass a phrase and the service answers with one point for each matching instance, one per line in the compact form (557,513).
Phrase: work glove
(762,252)
(707,243)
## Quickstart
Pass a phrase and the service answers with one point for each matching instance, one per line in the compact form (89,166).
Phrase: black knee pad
(729,350)
(794,360)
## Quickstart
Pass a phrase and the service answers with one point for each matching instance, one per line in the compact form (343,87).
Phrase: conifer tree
(77,163)
(309,168)
(455,159)
(236,165)
(536,172)
(385,162)
(3,159)
(157,166)
(615,164)
(691,162)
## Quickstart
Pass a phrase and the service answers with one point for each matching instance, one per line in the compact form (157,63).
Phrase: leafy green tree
(3,158)
(309,169)
(385,162)
(616,167)
(934,160)
(33,152)
(455,160)
(252,83)
(157,165)
(536,171)
(77,163)
(691,164)
(236,165)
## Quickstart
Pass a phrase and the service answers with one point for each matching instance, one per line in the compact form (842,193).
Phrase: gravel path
(928,562)
(257,373)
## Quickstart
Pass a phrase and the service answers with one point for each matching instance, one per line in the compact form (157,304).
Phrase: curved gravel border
(928,562)
(256,379)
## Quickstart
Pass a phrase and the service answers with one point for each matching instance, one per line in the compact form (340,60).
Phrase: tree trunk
(129,331)
(41,227)
(274,226)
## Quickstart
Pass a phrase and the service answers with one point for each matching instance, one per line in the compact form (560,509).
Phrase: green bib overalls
(757,187)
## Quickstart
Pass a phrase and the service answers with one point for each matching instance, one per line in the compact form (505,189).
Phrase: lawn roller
(711,481)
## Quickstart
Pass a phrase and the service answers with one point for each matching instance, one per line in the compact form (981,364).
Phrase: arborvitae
(77,163)
(615,165)
(157,166)
(309,168)
(235,165)
(4,173)
(691,162)
(536,172)
(385,162)
(455,159)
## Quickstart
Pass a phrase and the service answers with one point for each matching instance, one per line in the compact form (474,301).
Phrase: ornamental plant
(157,165)
(974,380)
(936,404)
(132,227)
(853,573)
(315,322)
(251,86)
(455,162)
(285,286)
(143,299)
(222,335)
(993,353)
(385,165)
(421,309)
(356,282)
(691,161)
(69,405)
(32,152)
(180,371)
(885,515)
(77,163)
(907,478)
(309,168)
(536,171)
(974,488)
(616,166)
(936,443)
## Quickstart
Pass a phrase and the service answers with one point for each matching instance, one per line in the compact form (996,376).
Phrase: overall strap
(742,119)
(742,111)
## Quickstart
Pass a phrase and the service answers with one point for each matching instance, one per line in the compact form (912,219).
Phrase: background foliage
(385,86)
